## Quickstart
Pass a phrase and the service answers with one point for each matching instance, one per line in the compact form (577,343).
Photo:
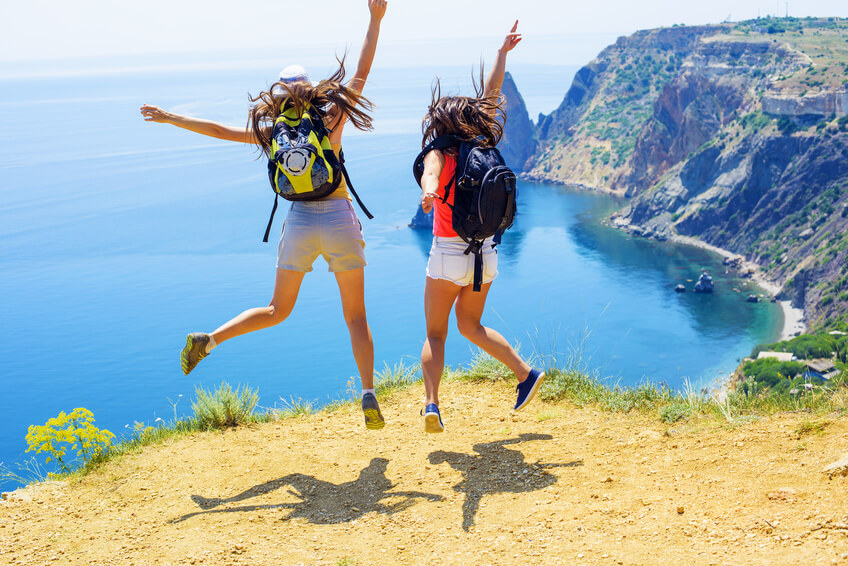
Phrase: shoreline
(793,318)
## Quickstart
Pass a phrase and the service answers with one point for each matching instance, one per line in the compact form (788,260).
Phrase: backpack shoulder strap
(350,186)
(440,142)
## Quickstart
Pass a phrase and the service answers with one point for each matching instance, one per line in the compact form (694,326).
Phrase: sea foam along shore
(793,318)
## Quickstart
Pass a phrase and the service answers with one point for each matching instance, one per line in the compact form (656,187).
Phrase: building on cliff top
(823,369)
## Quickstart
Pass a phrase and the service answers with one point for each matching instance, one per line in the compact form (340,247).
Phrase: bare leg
(469,309)
(286,288)
(352,291)
(439,296)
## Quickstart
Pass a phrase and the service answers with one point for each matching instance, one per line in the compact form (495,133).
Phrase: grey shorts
(328,228)
(448,261)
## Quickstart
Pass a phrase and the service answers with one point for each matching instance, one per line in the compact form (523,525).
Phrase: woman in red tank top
(450,270)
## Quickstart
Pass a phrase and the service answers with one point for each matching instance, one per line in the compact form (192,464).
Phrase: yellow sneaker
(373,417)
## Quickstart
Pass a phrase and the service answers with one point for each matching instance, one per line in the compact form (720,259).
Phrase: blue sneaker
(432,419)
(527,388)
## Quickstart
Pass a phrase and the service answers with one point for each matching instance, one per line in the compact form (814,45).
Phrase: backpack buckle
(467,181)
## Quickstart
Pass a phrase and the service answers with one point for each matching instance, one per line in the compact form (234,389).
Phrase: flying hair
(330,96)
(479,118)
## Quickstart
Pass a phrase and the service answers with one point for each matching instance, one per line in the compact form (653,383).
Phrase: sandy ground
(555,484)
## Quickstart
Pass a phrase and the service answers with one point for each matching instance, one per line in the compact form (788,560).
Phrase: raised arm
(377,8)
(369,46)
(434,162)
(496,75)
(205,127)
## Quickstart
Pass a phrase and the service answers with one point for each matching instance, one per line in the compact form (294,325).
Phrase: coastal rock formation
(422,220)
(734,134)
(518,143)
(588,139)
(780,200)
(704,284)
(824,104)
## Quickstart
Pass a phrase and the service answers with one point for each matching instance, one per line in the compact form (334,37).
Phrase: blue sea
(120,236)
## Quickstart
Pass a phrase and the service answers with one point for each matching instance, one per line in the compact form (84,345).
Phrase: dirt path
(553,485)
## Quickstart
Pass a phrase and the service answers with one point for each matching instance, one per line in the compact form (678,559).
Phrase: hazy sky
(61,29)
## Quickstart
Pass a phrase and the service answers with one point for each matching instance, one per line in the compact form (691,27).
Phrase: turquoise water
(120,236)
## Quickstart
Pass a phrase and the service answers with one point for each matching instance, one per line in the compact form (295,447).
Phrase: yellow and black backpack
(303,165)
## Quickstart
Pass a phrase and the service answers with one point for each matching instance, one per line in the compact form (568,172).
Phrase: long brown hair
(478,117)
(328,94)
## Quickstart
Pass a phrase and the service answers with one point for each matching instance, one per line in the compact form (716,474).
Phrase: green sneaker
(194,351)
(373,417)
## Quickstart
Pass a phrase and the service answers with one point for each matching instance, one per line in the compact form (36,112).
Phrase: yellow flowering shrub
(74,430)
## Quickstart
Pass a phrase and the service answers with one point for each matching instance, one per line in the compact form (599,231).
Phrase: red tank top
(442,214)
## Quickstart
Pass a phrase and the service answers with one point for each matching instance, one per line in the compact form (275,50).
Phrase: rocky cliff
(518,143)
(734,133)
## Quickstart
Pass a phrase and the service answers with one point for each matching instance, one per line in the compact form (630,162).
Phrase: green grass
(547,414)
(484,366)
(293,408)
(226,407)
(812,427)
(396,378)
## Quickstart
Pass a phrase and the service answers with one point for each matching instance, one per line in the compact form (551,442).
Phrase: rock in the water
(753,299)
(422,220)
(704,284)
(680,289)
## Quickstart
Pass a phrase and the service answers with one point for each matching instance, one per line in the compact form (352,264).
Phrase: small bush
(811,427)
(224,407)
(294,408)
(396,377)
(770,371)
(674,412)
(484,366)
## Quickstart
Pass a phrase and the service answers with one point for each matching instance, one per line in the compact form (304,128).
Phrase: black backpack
(485,194)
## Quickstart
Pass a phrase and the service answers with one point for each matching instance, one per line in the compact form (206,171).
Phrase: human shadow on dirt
(497,469)
(323,502)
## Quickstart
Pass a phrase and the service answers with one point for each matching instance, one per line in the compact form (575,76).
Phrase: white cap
(295,74)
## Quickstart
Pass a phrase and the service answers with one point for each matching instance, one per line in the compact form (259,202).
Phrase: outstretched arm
(369,46)
(205,127)
(434,162)
(377,8)
(496,75)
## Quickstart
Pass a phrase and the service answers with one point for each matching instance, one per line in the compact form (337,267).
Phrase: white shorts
(326,227)
(448,261)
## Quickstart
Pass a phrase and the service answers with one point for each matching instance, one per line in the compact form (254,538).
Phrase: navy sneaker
(527,388)
(373,417)
(432,419)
